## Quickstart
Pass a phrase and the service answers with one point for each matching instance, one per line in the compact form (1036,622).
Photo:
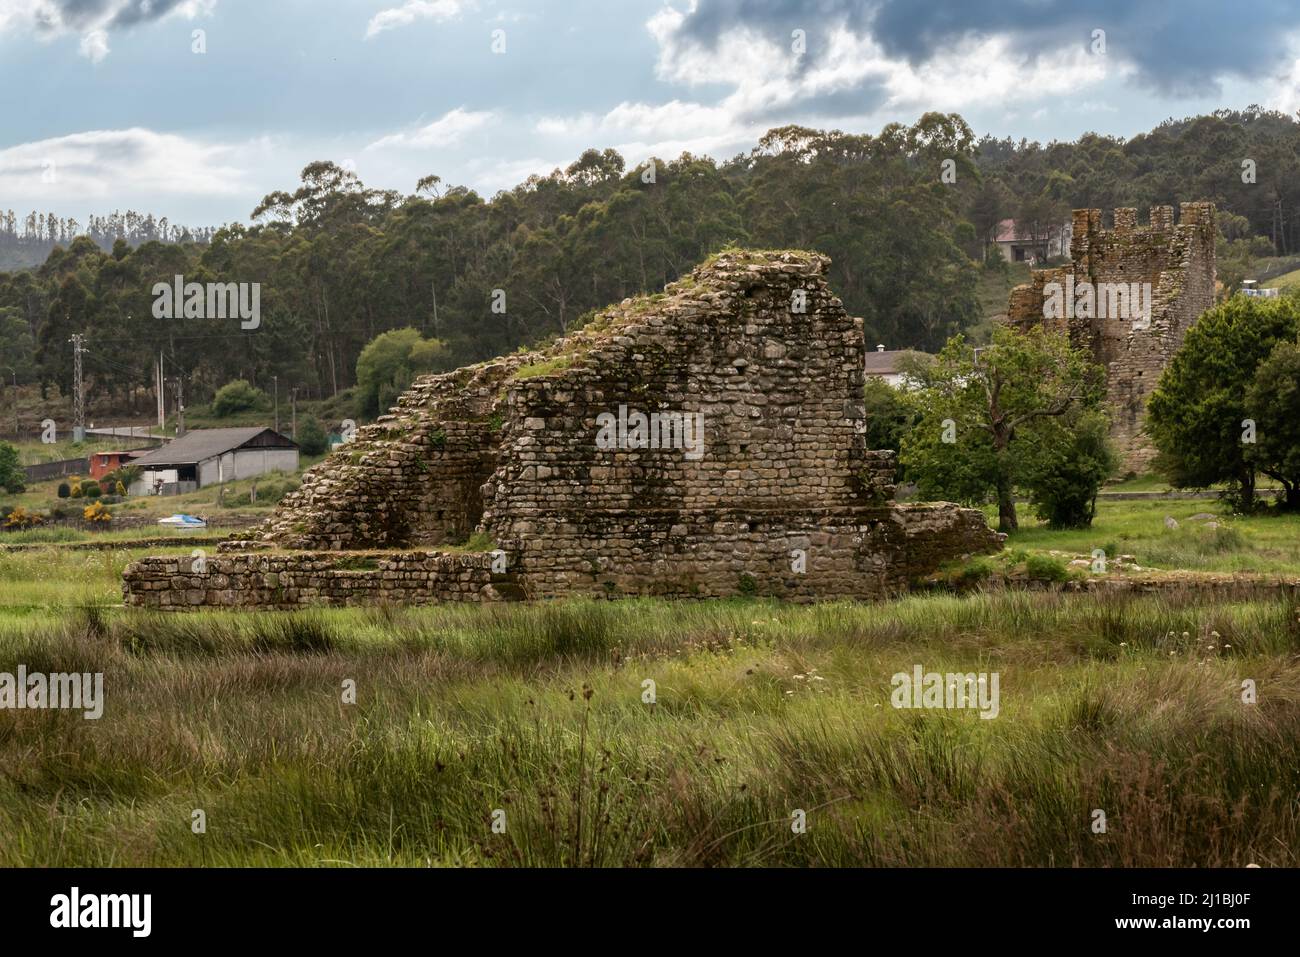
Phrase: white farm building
(205,457)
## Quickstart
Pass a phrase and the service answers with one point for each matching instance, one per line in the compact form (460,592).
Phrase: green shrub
(1064,469)
(238,396)
(1046,568)
(972,572)
(312,439)
(12,479)
(889,417)
(91,490)
(64,490)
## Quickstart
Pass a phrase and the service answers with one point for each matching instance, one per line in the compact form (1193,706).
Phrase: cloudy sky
(108,104)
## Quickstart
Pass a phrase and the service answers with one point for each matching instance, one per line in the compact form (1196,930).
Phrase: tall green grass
(1267,543)
(1127,704)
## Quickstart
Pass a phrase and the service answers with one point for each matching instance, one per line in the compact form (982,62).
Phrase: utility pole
(293,398)
(180,406)
(276,380)
(78,397)
(161,392)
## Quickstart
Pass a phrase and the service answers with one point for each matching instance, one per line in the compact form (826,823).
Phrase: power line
(113,366)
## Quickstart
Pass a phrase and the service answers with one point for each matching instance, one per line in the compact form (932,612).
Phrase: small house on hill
(205,457)
(886,365)
(1018,244)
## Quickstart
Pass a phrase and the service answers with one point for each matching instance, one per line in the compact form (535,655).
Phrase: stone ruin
(499,481)
(1177,261)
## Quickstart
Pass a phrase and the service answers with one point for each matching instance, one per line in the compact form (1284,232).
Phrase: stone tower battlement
(1128,297)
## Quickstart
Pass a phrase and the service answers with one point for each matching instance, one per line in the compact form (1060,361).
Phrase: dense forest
(28,240)
(340,263)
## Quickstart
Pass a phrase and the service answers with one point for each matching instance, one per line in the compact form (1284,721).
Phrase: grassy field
(539,714)
(1267,543)
(1285,281)
(42,496)
(994,288)
(35,452)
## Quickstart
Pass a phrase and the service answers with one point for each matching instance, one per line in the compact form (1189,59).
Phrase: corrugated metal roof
(883,363)
(202,444)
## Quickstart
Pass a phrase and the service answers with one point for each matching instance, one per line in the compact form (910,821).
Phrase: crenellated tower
(1128,296)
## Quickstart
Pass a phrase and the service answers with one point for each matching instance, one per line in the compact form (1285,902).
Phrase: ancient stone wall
(1176,260)
(286,580)
(708,441)
(412,478)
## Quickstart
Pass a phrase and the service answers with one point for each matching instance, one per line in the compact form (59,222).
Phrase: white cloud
(1286,99)
(409,12)
(445,131)
(94,45)
(106,164)
(850,81)
(666,130)
(92,21)
(493,175)
(767,78)
(580,124)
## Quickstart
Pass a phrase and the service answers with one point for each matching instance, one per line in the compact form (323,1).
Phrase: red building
(101,463)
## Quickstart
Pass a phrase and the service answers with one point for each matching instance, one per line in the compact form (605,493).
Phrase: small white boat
(182,522)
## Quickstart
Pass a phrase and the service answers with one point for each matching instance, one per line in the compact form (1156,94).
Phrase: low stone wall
(286,580)
(863,553)
(1217,585)
(118,544)
(866,552)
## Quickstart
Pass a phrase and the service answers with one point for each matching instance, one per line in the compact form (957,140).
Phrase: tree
(1067,460)
(889,417)
(12,479)
(1197,415)
(979,418)
(312,439)
(1273,401)
(390,361)
(238,396)
(16,344)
